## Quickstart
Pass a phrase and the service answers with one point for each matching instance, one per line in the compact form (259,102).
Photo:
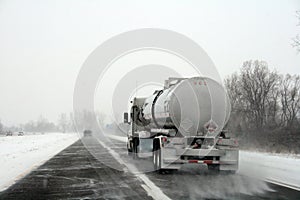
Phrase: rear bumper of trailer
(175,158)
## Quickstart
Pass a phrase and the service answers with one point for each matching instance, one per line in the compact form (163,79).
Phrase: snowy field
(21,154)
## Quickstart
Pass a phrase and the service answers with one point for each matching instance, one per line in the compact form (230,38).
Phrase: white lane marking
(154,191)
(282,184)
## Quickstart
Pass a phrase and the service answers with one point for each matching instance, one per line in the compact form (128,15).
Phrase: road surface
(75,174)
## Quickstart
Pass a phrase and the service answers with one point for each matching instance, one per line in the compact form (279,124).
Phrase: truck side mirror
(126,118)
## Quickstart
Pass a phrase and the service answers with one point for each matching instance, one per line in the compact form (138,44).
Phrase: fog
(44,43)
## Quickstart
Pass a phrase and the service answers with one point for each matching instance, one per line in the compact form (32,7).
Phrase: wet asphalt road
(195,182)
(75,174)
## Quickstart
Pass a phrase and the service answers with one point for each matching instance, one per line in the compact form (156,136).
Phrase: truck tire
(159,160)
(156,159)
(154,156)
(129,146)
(129,149)
(135,148)
(158,163)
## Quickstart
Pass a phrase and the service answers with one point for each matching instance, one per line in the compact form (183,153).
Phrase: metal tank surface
(188,105)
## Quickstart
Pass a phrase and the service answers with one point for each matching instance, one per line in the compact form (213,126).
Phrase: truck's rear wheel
(129,147)
(154,160)
(135,148)
(157,160)
(156,156)
(158,153)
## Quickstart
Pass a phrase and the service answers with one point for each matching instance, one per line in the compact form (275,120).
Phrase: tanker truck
(183,123)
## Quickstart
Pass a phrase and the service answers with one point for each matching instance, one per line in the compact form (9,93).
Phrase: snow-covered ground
(21,154)
(279,169)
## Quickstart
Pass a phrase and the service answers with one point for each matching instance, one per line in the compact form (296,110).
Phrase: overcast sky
(44,43)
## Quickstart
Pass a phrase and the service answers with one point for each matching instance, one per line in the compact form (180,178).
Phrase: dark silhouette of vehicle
(87,133)
(9,133)
(21,133)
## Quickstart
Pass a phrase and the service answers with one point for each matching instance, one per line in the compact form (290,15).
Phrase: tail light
(164,140)
(236,142)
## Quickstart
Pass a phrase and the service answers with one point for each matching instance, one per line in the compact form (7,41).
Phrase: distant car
(87,133)
(9,133)
(21,133)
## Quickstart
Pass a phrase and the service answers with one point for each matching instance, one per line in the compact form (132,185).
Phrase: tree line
(65,123)
(42,124)
(265,107)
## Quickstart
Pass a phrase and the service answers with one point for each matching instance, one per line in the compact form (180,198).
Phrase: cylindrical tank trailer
(187,105)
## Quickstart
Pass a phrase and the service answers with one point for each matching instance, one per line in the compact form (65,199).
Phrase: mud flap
(229,162)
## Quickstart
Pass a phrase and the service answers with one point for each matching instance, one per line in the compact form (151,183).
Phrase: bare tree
(1,127)
(44,125)
(63,122)
(290,99)
(265,103)
(272,117)
(232,85)
(258,84)
(238,110)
